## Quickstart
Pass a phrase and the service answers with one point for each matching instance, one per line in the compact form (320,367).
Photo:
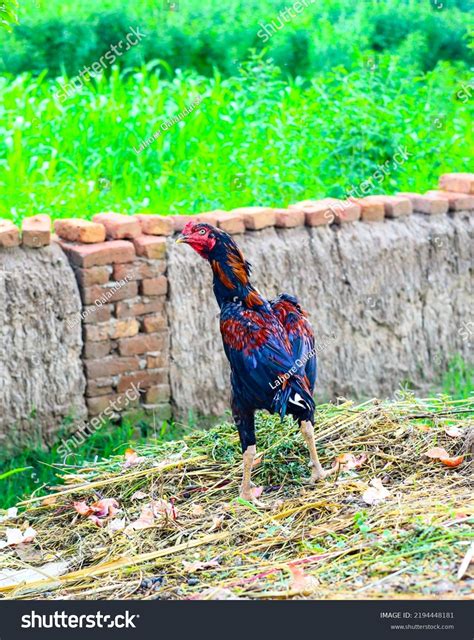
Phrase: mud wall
(389,302)
(41,373)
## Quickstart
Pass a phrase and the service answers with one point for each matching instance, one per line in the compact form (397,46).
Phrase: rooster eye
(202,232)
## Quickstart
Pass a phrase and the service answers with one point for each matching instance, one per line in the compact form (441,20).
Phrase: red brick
(113,292)
(114,329)
(145,379)
(83,255)
(95,350)
(139,307)
(140,269)
(231,223)
(317,212)
(77,230)
(94,275)
(155,225)
(142,343)
(36,231)
(157,360)
(153,247)
(395,206)
(97,313)
(158,393)
(9,234)
(343,210)
(430,205)
(371,211)
(211,217)
(110,366)
(154,323)
(456,201)
(458,182)
(100,404)
(118,226)
(154,286)
(99,387)
(256,218)
(179,222)
(288,218)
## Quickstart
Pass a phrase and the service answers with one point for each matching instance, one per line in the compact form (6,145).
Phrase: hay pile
(313,542)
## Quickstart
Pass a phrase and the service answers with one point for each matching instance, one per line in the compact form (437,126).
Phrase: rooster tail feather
(294,397)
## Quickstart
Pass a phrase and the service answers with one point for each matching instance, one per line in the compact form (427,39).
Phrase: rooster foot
(247,494)
(318,473)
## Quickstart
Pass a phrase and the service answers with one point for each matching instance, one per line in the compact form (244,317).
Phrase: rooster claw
(248,496)
(319,473)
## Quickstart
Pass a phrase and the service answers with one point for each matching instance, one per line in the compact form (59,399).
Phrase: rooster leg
(246,486)
(317,471)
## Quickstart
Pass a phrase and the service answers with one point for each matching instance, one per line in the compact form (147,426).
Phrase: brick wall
(120,265)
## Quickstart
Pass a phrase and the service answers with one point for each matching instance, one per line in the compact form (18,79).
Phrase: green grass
(256,139)
(458,381)
(32,470)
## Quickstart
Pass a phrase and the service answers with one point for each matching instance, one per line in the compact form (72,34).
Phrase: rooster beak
(181,239)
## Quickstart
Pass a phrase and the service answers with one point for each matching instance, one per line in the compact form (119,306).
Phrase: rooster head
(202,237)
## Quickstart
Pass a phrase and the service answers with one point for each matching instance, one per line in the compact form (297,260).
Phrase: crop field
(274,124)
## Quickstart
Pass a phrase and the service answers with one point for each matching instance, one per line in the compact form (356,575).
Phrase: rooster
(269,344)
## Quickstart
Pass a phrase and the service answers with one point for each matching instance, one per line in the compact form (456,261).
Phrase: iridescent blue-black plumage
(269,345)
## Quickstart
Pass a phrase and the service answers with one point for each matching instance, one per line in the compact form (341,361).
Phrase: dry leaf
(348,461)
(11,514)
(139,495)
(216,593)
(439,453)
(191,567)
(300,581)
(132,458)
(16,536)
(423,427)
(106,507)
(452,462)
(146,520)
(98,511)
(217,522)
(256,491)
(163,508)
(118,524)
(453,432)
(197,510)
(96,520)
(376,492)
(82,508)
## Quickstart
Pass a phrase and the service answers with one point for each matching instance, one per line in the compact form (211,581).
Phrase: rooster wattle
(269,344)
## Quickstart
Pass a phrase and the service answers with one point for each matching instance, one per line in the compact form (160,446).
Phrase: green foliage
(8,15)
(255,139)
(204,36)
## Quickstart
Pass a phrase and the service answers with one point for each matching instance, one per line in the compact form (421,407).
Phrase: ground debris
(201,542)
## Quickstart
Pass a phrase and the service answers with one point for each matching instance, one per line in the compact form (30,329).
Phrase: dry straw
(311,542)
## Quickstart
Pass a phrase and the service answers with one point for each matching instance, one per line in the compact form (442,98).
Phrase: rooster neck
(231,278)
